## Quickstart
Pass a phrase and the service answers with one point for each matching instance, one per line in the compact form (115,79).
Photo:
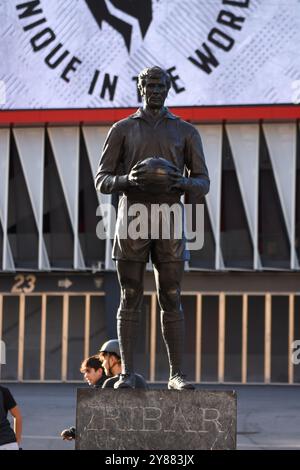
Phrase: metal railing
(196,335)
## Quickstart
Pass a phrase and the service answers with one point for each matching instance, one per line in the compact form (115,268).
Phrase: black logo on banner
(130,21)
(138,9)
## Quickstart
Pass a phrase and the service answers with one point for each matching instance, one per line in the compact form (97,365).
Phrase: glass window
(236,242)
(297,211)
(1,247)
(233,338)
(205,258)
(76,336)
(57,228)
(297,338)
(22,229)
(53,338)
(98,332)
(210,332)
(93,249)
(279,338)
(32,338)
(10,335)
(273,242)
(256,338)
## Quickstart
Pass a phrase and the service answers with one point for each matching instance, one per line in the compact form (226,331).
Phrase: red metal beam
(108,116)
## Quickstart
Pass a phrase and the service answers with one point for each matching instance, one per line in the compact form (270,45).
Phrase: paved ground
(268,416)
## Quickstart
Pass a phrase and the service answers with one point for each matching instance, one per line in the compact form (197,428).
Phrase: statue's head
(154,84)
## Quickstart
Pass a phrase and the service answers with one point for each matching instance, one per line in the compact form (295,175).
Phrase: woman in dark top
(9,439)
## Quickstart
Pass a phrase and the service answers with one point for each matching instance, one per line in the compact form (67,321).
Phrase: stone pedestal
(155,419)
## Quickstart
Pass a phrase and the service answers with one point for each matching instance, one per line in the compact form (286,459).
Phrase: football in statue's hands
(157,173)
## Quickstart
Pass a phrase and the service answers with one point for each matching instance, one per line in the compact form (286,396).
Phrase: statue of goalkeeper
(144,157)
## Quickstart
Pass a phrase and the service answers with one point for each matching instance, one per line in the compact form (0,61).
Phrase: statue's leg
(130,275)
(168,278)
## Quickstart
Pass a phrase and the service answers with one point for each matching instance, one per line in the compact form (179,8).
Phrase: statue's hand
(138,177)
(178,182)
(155,180)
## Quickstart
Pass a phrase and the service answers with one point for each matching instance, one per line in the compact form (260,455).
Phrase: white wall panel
(8,263)
(281,142)
(244,143)
(212,144)
(94,139)
(65,145)
(31,147)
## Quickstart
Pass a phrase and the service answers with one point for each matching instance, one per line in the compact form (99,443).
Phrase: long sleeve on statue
(107,180)
(198,181)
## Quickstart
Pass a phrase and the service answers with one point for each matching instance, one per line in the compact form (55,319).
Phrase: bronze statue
(144,157)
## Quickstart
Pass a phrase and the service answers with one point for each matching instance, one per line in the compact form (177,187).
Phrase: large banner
(87,53)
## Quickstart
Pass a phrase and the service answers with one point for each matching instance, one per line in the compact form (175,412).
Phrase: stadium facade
(68,71)
(58,286)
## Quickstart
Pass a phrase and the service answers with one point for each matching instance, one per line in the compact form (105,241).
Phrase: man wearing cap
(153,131)
(109,355)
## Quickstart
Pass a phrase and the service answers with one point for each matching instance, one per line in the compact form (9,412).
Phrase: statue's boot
(172,326)
(178,382)
(127,324)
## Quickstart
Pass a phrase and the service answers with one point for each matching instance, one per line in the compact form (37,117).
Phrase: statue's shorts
(145,228)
